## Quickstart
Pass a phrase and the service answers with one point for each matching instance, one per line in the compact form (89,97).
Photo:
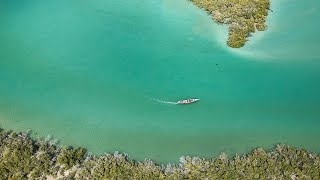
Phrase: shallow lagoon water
(91,73)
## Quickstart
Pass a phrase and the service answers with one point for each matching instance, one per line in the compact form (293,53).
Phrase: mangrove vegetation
(242,16)
(21,157)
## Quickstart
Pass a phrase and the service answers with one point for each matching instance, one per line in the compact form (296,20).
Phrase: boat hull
(188,101)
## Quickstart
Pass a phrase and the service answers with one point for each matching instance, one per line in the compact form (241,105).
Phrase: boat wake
(163,101)
(184,101)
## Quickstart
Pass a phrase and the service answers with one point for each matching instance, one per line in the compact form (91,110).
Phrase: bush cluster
(242,16)
(24,158)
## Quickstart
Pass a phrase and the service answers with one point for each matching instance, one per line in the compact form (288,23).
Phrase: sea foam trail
(163,101)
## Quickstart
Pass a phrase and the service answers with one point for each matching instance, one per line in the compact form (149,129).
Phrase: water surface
(88,73)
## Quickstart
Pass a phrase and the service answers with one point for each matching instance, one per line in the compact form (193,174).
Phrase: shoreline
(242,18)
(24,157)
(164,155)
(250,51)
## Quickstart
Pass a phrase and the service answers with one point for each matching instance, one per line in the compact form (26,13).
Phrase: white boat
(188,101)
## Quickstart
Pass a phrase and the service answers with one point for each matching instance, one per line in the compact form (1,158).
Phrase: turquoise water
(94,73)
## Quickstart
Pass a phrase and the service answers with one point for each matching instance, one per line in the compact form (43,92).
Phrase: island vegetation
(21,157)
(242,16)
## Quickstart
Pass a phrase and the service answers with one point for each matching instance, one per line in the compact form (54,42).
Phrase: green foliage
(23,158)
(70,157)
(16,156)
(242,16)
